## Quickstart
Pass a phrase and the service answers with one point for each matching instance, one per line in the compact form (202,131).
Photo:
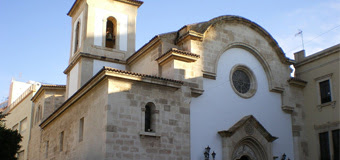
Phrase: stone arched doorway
(246,140)
(244,158)
(249,149)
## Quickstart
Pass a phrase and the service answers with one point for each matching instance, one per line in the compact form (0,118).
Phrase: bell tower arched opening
(111,32)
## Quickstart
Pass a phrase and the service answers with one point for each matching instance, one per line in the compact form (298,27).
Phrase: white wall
(220,107)
(100,21)
(17,88)
(98,65)
(73,81)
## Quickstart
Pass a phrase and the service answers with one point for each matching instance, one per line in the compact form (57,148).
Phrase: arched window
(76,40)
(150,118)
(111,30)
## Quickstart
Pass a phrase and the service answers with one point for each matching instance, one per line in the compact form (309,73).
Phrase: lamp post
(207,154)
(283,156)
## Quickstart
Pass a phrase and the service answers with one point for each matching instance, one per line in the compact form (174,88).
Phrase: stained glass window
(241,81)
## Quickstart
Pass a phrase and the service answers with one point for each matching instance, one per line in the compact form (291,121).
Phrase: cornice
(297,82)
(190,35)
(92,56)
(45,87)
(132,2)
(251,120)
(174,53)
(75,5)
(204,26)
(316,56)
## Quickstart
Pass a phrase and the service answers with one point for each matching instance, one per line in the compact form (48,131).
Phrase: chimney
(299,56)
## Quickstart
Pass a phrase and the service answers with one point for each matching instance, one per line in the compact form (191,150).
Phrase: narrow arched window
(111,29)
(148,118)
(76,40)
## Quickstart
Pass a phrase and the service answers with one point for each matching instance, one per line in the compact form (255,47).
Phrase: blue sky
(35,35)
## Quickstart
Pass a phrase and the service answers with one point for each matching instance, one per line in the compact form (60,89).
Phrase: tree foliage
(9,141)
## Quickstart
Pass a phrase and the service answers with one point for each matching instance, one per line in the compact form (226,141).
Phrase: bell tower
(103,34)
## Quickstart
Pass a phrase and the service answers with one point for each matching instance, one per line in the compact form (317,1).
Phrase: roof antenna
(300,33)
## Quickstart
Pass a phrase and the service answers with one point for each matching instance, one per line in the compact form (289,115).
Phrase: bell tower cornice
(77,2)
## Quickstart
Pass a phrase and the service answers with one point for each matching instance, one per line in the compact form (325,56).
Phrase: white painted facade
(101,16)
(98,65)
(219,108)
(73,81)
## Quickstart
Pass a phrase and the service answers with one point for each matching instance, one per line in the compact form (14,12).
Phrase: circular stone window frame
(253,83)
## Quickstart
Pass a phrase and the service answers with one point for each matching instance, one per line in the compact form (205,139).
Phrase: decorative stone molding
(175,54)
(195,92)
(332,103)
(190,35)
(247,138)
(209,75)
(288,109)
(297,82)
(149,134)
(252,86)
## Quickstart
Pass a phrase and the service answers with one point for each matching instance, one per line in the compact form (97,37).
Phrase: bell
(109,37)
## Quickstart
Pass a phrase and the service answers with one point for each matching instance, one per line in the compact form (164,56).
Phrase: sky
(35,35)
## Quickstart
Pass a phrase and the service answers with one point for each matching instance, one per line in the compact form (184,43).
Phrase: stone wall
(126,138)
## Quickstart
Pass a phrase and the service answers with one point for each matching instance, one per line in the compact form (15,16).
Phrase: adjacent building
(320,107)
(19,110)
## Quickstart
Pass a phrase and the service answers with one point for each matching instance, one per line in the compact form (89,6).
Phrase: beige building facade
(222,84)
(320,108)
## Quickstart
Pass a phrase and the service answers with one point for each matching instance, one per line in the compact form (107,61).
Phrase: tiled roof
(140,75)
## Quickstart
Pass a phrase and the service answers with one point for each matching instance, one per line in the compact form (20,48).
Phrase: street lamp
(207,154)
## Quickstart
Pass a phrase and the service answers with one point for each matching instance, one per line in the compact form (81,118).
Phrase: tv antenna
(300,33)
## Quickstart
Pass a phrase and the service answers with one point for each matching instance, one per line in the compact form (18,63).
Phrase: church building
(219,89)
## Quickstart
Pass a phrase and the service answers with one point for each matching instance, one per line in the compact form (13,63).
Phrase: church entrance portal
(244,158)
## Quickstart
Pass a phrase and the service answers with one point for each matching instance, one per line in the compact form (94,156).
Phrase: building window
(38,114)
(324,146)
(23,125)
(243,81)
(111,30)
(336,145)
(46,149)
(61,141)
(326,142)
(150,117)
(325,91)
(76,40)
(81,129)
